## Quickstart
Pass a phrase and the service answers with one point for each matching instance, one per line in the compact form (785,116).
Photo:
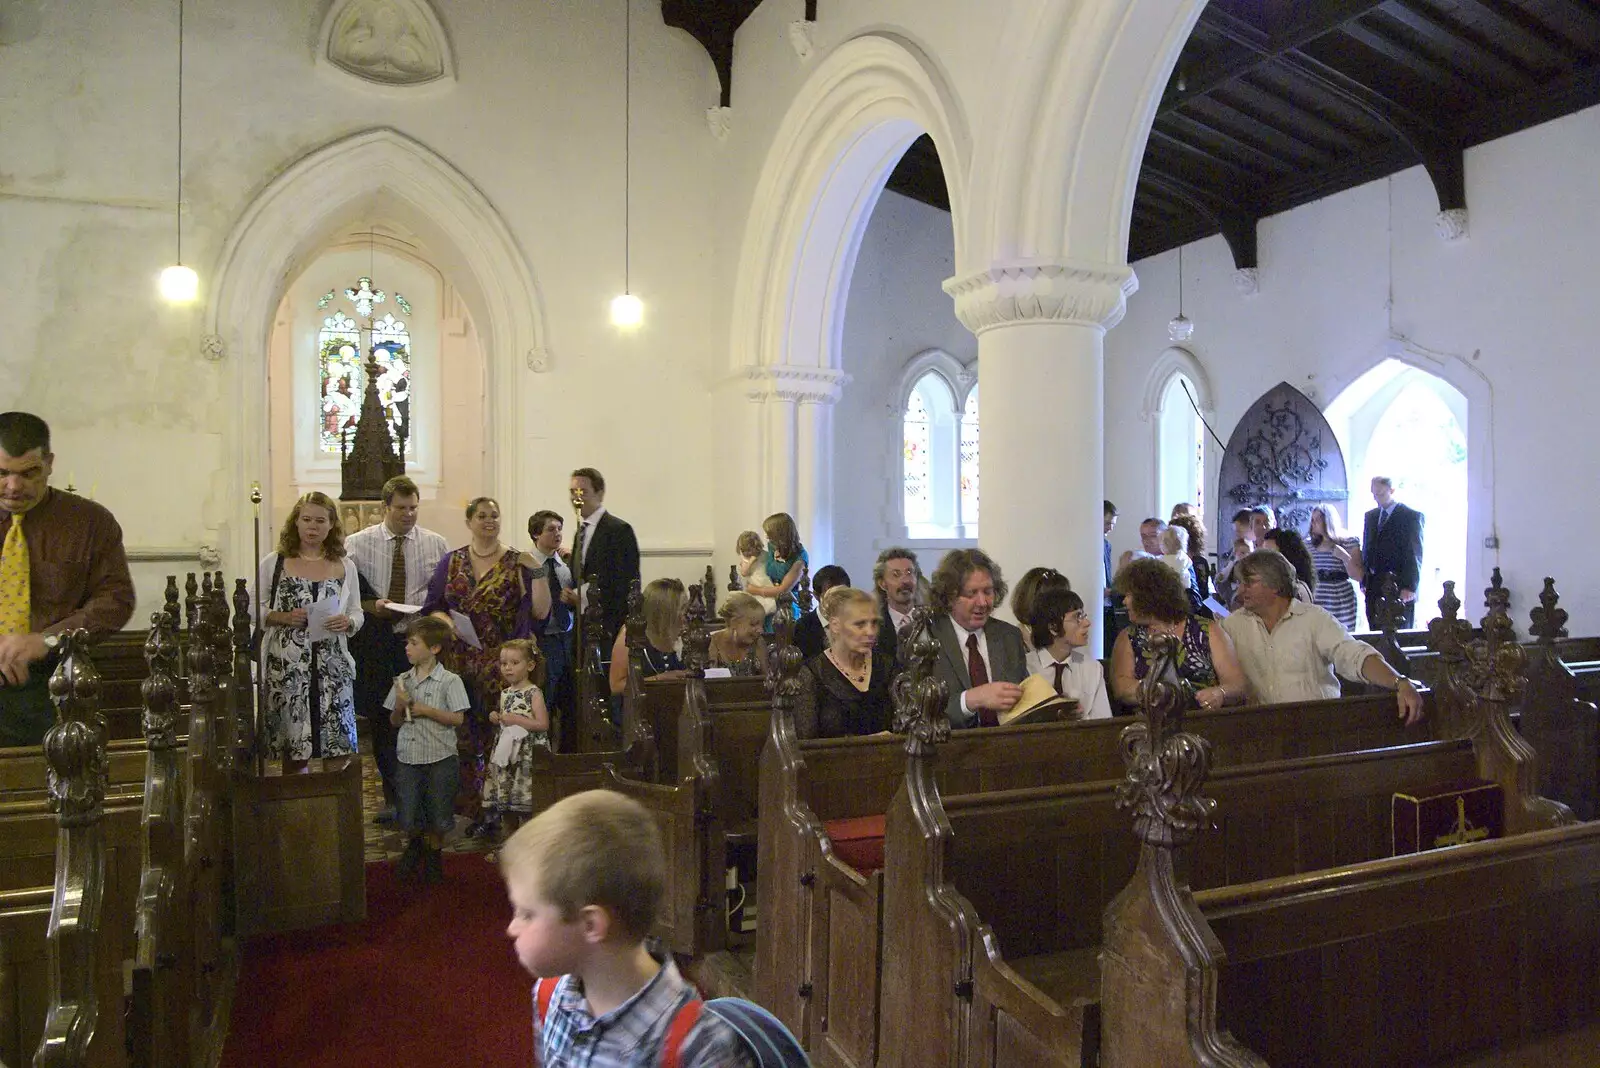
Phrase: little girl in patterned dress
(521,723)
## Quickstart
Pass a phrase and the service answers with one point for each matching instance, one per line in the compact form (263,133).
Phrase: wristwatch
(1401,680)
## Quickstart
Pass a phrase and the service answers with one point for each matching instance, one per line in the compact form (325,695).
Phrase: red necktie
(1059,669)
(980,677)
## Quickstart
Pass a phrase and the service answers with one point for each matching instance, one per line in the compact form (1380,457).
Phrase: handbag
(272,595)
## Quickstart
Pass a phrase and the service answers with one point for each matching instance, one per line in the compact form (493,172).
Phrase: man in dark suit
(896,577)
(605,552)
(981,659)
(811,633)
(1391,544)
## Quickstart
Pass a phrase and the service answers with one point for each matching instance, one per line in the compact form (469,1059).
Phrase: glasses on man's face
(1078,617)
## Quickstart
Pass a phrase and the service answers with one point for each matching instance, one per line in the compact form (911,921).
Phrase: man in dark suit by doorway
(1391,544)
(981,659)
(605,554)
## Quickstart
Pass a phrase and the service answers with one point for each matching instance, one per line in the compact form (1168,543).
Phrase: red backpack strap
(682,1023)
(543,992)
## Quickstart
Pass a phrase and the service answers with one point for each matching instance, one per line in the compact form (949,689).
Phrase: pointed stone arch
(299,210)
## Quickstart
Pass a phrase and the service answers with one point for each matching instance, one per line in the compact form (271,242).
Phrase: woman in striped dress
(1337,560)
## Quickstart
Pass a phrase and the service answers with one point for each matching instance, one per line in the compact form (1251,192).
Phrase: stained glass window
(344,382)
(969,461)
(918,485)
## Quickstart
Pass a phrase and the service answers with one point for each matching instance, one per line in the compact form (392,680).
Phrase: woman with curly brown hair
(310,682)
(1158,604)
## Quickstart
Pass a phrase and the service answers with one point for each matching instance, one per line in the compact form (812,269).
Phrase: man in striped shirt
(395,559)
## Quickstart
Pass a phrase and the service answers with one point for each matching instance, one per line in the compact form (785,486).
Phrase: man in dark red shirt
(62,567)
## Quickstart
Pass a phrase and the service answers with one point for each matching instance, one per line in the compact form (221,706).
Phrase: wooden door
(1282,454)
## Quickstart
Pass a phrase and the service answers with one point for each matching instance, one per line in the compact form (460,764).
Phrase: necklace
(488,555)
(857,677)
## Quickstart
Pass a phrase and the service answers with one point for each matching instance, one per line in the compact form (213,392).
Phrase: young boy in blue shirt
(427,703)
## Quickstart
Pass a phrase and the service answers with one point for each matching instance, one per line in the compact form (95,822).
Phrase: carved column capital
(817,385)
(1088,294)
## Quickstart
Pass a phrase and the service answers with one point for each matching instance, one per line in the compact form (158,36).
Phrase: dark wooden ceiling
(1276,103)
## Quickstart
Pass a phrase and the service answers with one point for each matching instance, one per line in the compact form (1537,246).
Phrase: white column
(814,481)
(795,447)
(1041,329)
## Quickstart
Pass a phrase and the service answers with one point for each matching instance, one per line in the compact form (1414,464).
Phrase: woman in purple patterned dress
(500,591)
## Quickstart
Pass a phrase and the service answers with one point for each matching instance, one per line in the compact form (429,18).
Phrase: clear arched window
(969,464)
(1181,450)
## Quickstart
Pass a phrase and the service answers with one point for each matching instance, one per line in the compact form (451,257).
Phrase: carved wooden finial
(784,660)
(171,605)
(75,748)
(696,634)
(1166,766)
(160,687)
(802,596)
(191,598)
(1549,619)
(708,588)
(635,621)
(734,585)
(1448,632)
(920,695)
(241,617)
(75,751)
(1386,608)
(1496,665)
(205,585)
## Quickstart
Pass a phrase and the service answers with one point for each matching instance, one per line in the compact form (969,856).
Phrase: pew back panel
(1417,960)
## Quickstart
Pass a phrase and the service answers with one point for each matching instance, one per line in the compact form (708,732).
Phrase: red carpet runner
(428,979)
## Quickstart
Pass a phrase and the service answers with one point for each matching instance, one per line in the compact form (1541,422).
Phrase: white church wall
(896,309)
(1504,313)
(535,122)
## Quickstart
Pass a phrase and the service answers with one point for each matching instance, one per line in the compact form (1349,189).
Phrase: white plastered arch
(1060,164)
(290,219)
(1177,360)
(840,139)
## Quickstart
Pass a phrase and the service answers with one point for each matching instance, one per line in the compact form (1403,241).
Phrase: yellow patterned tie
(14,599)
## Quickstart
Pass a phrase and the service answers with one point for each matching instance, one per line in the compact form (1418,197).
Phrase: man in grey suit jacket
(981,659)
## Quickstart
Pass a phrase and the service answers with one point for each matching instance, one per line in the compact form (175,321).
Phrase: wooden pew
(811,900)
(64,933)
(1559,714)
(703,789)
(1416,961)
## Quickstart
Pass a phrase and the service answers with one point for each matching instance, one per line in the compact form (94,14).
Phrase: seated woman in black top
(664,602)
(847,689)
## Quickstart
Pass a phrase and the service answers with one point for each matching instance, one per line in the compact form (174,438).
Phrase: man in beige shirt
(1290,650)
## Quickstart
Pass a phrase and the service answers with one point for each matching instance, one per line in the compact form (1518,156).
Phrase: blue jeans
(427,795)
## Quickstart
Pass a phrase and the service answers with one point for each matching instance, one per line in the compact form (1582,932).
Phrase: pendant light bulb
(179,284)
(1181,327)
(627,311)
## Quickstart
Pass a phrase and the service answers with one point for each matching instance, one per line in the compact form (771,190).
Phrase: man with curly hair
(981,659)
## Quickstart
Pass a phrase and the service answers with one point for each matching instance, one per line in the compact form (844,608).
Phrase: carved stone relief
(388,43)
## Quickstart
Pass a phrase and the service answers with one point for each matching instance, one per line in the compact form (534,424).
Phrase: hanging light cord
(627,147)
(178,204)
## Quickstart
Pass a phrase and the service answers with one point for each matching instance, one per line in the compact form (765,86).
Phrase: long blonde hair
(664,600)
(289,536)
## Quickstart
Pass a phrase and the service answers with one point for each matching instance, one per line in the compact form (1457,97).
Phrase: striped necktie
(15,605)
(397,570)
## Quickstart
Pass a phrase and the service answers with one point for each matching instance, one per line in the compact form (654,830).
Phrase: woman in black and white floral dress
(310,685)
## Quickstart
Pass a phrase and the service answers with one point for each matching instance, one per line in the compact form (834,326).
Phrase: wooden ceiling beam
(1219,171)
(1264,158)
(1477,55)
(1233,114)
(1236,223)
(714,23)
(1250,98)
(1409,59)
(1516,23)
(1261,47)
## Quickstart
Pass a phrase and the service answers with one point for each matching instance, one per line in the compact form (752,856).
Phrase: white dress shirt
(898,620)
(372,548)
(1296,661)
(1083,679)
(983,653)
(587,527)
